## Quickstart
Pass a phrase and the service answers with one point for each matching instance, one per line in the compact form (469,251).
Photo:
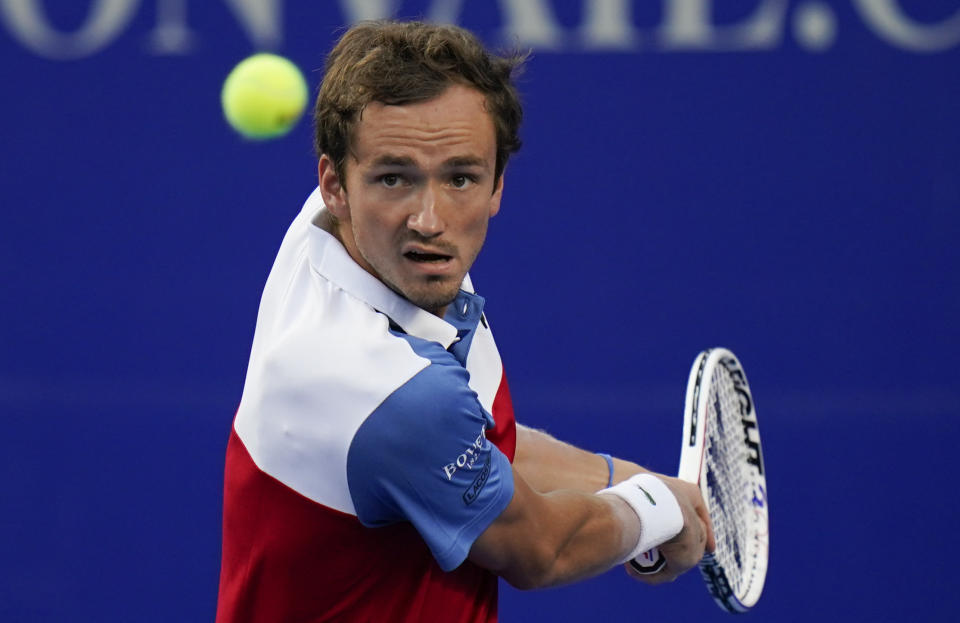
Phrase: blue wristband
(609,460)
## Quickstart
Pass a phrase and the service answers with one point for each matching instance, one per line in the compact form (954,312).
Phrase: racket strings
(725,452)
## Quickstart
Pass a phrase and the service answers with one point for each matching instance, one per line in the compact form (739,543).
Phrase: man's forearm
(549,464)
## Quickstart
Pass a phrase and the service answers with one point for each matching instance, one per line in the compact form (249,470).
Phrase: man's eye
(460,181)
(390,180)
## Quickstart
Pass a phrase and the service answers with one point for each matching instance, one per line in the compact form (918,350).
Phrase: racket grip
(649,562)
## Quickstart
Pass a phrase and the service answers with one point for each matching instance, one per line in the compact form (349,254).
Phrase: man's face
(419,193)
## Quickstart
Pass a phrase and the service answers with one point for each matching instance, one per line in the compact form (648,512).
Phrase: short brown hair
(397,63)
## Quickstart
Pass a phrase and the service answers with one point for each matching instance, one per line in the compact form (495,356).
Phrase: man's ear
(332,190)
(496,196)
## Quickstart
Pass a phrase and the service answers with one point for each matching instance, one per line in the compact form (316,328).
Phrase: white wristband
(660,516)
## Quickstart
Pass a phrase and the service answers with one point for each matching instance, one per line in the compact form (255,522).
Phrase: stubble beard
(432,293)
(434,296)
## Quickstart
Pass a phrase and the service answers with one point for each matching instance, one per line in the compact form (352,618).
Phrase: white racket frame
(693,469)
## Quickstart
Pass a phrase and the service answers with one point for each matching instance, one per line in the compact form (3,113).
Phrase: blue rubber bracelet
(609,460)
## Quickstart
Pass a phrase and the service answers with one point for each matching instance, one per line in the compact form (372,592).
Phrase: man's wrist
(609,460)
(656,507)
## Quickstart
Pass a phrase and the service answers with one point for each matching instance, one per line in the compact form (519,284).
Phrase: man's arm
(544,540)
(556,530)
(548,539)
(549,464)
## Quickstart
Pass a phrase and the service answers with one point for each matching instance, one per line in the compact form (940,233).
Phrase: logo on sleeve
(471,494)
(467,458)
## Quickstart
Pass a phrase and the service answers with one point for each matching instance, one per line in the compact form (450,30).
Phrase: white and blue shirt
(370,406)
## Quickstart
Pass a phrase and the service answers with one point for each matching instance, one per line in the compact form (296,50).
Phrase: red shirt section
(288,558)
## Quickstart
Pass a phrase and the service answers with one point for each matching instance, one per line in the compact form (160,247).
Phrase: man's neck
(328,223)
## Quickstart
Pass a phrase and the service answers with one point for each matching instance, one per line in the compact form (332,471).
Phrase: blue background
(798,204)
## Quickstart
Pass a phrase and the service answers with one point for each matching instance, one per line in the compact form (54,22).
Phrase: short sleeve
(422,456)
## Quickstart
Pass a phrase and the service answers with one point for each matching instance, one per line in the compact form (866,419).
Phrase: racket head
(722,454)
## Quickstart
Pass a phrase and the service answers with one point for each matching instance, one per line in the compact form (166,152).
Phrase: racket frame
(692,469)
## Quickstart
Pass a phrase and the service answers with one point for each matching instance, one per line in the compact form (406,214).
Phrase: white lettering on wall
(532,24)
(688,25)
(608,24)
(685,25)
(28,23)
(171,36)
(445,11)
(814,26)
(260,20)
(887,20)
(358,10)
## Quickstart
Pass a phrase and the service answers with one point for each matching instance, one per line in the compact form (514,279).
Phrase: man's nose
(425,218)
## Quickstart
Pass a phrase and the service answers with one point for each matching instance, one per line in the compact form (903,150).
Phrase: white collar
(330,259)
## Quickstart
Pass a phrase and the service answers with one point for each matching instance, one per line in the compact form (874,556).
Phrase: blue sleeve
(422,456)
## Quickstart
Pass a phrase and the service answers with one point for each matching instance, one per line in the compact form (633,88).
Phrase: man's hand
(685,550)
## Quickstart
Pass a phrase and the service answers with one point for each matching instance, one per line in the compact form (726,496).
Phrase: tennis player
(374,470)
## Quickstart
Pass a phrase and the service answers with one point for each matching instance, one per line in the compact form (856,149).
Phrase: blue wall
(779,177)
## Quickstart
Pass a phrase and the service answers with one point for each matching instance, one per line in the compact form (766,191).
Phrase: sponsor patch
(466,459)
(477,485)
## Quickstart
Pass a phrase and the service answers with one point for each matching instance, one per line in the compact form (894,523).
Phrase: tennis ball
(264,96)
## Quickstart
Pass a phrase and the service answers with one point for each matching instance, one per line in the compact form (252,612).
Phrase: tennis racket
(721,454)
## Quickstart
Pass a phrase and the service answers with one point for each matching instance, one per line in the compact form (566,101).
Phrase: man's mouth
(426,258)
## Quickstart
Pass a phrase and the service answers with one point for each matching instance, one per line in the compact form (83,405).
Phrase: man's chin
(434,301)
(432,294)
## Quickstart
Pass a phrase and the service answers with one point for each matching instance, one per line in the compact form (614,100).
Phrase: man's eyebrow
(465,161)
(391,160)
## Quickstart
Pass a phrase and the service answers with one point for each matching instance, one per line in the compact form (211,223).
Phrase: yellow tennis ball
(264,96)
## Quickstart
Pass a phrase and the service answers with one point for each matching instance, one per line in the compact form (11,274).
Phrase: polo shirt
(371,447)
